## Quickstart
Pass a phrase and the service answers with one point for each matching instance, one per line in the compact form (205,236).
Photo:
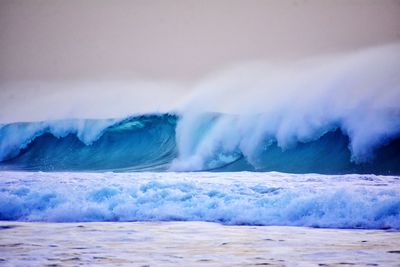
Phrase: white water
(340,201)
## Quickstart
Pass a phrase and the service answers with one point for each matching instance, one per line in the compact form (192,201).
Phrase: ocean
(260,166)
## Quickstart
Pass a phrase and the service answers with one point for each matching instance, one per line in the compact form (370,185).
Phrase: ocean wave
(136,143)
(330,115)
(155,143)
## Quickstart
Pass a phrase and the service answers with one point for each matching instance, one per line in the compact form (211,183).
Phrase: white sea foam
(349,201)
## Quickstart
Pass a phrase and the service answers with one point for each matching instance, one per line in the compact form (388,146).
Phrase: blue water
(143,143)
(135,169)
(150,143)
(332,116)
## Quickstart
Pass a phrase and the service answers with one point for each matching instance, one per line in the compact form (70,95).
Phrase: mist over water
(357,93)
(95,99)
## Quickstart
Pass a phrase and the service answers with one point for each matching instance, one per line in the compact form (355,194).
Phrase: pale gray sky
(178,39)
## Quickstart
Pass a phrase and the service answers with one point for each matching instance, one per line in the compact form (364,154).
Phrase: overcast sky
(178,39)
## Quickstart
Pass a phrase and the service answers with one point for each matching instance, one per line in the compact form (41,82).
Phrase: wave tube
(134,144)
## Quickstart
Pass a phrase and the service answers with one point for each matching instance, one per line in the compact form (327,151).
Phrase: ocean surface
(192,244)
(198,219)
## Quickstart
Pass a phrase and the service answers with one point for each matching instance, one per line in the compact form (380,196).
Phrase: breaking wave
(329,115)
(154,143)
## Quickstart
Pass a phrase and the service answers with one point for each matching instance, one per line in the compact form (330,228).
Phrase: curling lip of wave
(135,143)
(150,143)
